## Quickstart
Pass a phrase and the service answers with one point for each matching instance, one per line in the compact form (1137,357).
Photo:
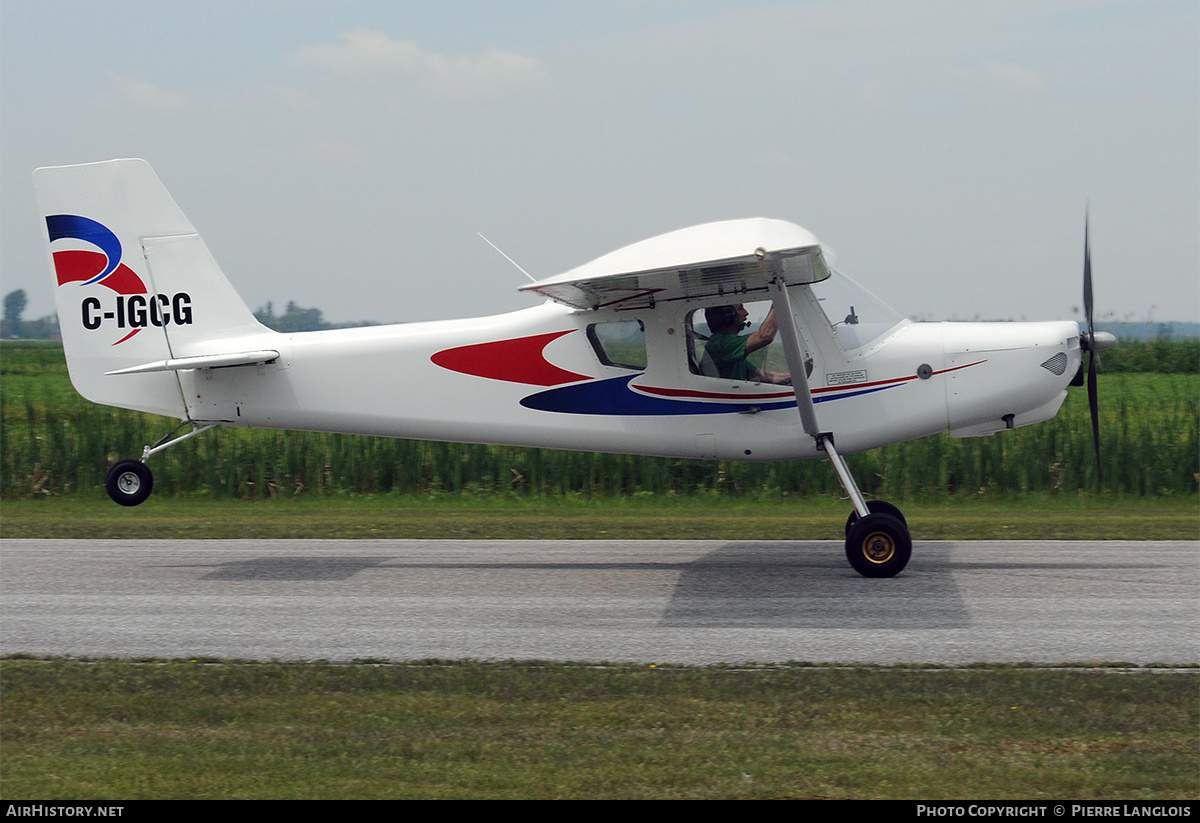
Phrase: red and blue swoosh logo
(86,267)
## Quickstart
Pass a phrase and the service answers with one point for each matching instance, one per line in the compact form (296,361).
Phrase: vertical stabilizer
(133,281)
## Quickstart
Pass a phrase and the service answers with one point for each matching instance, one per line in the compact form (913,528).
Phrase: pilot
(726,351)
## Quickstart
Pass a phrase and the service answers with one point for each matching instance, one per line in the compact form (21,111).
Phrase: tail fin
(134,283)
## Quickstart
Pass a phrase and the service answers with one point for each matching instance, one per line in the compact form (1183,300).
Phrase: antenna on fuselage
(532,279)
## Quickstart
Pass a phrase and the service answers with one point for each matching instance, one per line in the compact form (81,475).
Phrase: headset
(718,317)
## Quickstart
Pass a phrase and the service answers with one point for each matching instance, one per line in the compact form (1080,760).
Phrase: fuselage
(537,378)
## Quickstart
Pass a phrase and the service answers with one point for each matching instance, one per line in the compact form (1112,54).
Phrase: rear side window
(620,343)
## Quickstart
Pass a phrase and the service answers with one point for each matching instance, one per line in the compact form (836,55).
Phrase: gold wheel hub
(879,547)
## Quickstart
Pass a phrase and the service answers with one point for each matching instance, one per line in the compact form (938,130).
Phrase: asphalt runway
(651,601)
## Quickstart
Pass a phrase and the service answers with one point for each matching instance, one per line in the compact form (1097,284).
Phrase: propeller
(1092,342)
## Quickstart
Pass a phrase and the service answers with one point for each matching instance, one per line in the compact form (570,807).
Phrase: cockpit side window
(621,343)
(715,358)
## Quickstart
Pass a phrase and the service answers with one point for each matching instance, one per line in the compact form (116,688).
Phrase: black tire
(129,482)
(876,507)
(878,545)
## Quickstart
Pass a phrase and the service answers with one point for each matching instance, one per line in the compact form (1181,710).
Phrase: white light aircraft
(637,352)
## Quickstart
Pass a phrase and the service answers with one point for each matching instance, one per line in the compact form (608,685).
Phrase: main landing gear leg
(877,539)
(130,482)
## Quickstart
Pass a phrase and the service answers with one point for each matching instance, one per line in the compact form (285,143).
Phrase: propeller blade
(1087,280)
(1094,408)
(1090,345)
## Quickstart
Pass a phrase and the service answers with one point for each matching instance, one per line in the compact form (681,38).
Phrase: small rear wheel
(129,482)
(878,545)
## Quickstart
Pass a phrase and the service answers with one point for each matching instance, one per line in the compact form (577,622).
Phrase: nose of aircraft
(1004,375)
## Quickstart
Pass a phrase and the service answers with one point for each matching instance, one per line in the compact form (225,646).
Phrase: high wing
(732,257)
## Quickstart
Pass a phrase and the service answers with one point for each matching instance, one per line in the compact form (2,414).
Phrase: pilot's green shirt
(728,353)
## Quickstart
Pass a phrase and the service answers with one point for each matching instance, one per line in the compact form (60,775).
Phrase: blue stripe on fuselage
(614,397)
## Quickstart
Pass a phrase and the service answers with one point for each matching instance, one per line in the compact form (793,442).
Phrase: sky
(344,155)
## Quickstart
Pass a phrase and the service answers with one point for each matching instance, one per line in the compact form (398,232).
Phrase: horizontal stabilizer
(205,361)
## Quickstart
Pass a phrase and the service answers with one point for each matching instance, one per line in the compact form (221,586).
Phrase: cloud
(371,54)
(145,95)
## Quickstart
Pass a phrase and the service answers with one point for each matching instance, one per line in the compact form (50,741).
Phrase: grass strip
(102,729)
(766,517)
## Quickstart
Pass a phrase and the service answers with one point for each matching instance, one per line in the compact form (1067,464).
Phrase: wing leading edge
(733,257)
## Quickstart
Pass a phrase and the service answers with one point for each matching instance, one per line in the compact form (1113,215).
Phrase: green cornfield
(54,442)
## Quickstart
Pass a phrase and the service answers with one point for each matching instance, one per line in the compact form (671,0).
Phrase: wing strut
(793,350)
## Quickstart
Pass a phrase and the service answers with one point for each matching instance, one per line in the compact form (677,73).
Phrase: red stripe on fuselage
(853,387)
(711,395)
(859,386)
(516,361)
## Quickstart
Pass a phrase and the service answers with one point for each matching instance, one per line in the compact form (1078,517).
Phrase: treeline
(296,318)
(44,328)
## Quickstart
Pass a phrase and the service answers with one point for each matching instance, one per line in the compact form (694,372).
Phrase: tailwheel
(876,507)
(878,545)
(129,482)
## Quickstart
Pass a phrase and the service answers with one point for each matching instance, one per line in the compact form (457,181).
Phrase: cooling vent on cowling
(1056,364)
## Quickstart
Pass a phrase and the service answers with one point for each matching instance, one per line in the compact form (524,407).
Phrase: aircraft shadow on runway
(294,568)
(742,585)
(808,585)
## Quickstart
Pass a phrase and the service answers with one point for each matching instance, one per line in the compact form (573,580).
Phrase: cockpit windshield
(857,316)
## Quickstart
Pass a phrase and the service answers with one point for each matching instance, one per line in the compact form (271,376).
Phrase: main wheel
(876,507)
(878,545)
(129,482)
